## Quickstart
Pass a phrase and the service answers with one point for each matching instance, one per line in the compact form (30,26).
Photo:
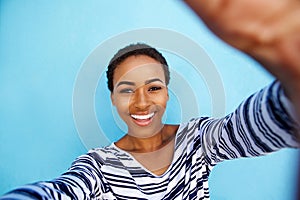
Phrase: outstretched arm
(82,181)
(267,30)
(261,124)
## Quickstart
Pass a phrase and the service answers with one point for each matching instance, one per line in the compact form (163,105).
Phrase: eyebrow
(133,84)
(125,83)
(153,80)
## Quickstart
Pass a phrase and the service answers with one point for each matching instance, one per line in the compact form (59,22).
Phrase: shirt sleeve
(263,123)
(82,181)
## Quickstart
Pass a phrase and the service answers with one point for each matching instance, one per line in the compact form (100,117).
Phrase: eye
(154,88)
(126,91)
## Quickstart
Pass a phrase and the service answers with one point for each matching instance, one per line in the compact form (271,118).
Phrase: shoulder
(97,156)
(104,152)
(194,124)
(192,128)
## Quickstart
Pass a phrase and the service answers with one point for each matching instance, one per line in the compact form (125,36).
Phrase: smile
(143,120)
(143,117)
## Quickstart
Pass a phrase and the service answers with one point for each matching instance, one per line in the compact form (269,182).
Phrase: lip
(142,119)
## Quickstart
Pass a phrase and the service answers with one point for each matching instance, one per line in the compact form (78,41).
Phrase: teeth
(142,116)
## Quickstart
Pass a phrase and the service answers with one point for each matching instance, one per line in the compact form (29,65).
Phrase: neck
(142,145)
(146,144)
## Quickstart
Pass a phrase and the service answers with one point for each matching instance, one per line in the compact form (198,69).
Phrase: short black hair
(135,50)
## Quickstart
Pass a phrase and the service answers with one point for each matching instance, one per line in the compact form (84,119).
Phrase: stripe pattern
(260,125)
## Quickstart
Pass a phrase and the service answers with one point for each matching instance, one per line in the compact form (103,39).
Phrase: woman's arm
(263,123)
(82,181)
(267,30)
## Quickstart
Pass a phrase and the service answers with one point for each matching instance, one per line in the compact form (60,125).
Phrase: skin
(140,89)
(266,30)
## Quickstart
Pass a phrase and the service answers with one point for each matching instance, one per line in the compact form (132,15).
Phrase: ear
(168,94)
(112,98)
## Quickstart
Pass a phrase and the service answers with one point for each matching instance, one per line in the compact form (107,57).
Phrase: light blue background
(42,46)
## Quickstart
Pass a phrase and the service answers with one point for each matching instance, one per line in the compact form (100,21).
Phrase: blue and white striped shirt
(263,123)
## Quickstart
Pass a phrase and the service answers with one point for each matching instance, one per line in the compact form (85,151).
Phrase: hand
(267,30)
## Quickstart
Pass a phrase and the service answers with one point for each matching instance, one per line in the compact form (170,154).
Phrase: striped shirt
(263,123)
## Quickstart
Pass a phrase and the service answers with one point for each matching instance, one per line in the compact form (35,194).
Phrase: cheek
(164,104)
(162,101)
(121,104)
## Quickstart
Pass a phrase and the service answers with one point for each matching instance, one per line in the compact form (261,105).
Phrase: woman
(161,161)
(158,161)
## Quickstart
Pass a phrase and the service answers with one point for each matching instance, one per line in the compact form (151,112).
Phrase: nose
(140,99)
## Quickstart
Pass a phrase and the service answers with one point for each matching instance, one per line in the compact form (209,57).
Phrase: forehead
(138,68)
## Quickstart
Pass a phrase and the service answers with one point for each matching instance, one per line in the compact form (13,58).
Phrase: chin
(144,131)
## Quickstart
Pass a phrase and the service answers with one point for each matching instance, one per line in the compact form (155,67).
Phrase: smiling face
(140,94)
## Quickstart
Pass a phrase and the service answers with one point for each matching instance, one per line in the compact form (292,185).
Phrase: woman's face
(140,95)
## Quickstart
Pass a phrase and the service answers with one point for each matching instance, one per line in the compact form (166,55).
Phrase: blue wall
(43,45)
